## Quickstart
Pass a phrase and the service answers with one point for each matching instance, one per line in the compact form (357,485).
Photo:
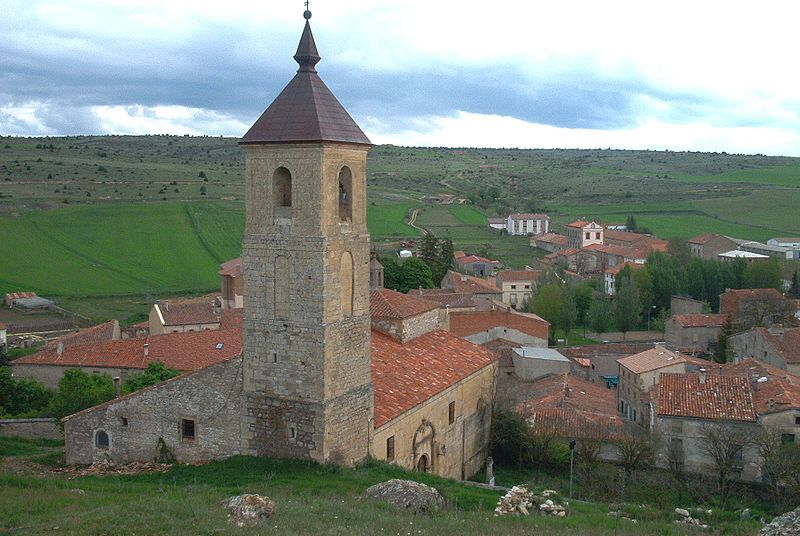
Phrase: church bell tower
(307,377)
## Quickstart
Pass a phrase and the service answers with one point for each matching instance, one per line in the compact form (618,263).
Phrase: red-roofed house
(528,224)
(468,284)
(481,327)
(476,265)
(709,245)
(751,307)
(186,315)
(775,346)
(402,316)
(231,275)
(105,332)
(11,297)
(583,233)
(694,411)
(518,286)
(693,333)
(551,242)
(188,351)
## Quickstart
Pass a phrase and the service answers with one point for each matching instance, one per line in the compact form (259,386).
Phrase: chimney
(218,305)
(60,348)
(702,376)
(146,349)
(117,387)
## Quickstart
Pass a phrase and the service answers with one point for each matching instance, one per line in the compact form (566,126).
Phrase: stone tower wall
(307,375)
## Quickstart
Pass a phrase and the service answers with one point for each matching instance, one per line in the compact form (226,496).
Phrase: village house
(708,246)
(608,256)
(447,299)
(751,307)
(170,316)
(476,265)
(534,362)
(597,363)
(518,286)
(747,256)
(12,297)
(126,358)
(785,242)
(231,274)
(775,252)
(634,240)
(551,242)
(481,327)
(640,372)
(527,224)
(314,380)
(683,305)
(582,233)
(775,346)
(694,411)
(497,223)
(468,284)
(693,334)
(610,276)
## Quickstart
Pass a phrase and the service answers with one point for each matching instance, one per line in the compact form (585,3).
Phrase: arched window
(346,278)
(281,287)
(101,440)
(345,194)
(282,193)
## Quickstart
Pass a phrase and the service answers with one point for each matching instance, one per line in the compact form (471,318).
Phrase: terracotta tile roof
(703,238)
(519,275)
(730,301)
(652,359)
(618,267)
(527,216)
(568,406)
(232,268)
(20,295)
(231,319)
(591,350)
(700,320)
(100,333)
(387,303)
(717,397)
(620,251)
(466,323)
(579,224)
(448,298)
(583,361)
(406,375)
(188,312)
(192,350)
(469,259)
(458,254)
(786,342)
(774,390)
(467,284)
(552,238)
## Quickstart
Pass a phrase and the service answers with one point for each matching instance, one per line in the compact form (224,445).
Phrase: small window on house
(451,413)
(124,421)
(292,432)
(101,440)
(797,420)
(527,286)
(588,235)
(390,449)
(597,236)
(188,429)
(787,438)
(513,287)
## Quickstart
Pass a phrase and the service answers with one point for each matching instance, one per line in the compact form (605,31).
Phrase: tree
(695,279)
(724,444)
(156,372)
(583,296)
(678,248)
(600,315)
(636,448)
(794,288)
(723,351)
(668,278)
(438,255)
(764,310)
(630,224)
(21,396)
(510,439)
(764,274)
(392,273)
(627,305)
(415,274)
(555,303)
(78,390)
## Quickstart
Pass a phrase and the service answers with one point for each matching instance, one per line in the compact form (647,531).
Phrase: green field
(388,221)
(786,175)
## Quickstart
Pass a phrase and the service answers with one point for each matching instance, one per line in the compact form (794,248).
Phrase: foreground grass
(310,499)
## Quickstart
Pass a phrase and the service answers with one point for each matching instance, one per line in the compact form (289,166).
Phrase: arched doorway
(423,464)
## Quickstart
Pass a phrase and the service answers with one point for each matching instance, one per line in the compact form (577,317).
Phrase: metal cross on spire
(307,13)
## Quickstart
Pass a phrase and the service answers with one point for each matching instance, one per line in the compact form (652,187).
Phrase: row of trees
(425,271)
(77,390)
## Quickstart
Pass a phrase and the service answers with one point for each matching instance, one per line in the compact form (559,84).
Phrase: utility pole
(571,460)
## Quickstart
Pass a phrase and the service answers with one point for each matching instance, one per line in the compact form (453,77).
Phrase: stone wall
(454,450)
(509,334)
(134,423)
(680,337)
(31,428)
(752,345)
(406,329)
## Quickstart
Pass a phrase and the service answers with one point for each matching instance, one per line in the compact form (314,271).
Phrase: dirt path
(412,222)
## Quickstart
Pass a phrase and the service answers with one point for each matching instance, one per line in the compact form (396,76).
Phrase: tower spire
(307,56)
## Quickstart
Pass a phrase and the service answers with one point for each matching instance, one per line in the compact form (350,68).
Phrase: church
(331,370)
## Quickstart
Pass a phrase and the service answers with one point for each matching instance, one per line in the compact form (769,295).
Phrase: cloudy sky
(701,75)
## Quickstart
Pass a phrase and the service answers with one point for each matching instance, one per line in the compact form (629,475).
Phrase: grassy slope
(310,499)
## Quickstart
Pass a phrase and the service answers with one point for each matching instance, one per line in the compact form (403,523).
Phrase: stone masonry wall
(31,428)
(135,423)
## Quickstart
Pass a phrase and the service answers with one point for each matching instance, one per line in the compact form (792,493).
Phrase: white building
(525,224)
(583,233)
(531,363)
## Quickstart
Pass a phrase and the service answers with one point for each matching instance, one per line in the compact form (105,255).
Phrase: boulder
(248,509)
(408,494)
(787,524)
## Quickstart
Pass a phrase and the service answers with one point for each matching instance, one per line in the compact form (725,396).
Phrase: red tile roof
(232,268)
(652,359)
(778,389)
(231,319)
(527,216)
(387,303)
(20,295)
(188,312)
(786,342)
(617,268)
(445,297)
(552,238)
(579,224)
(591,350)
(519,275)
(466,323)
(469,259)
(406,375)
(467,284)
(699,320)
(100,333)
(717,397)
(192,350)
(703,238)
(730,301)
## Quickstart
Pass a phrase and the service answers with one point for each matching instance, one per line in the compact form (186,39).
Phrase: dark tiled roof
(464,324)
(519,275)
(387,303)
(188,312)
(406,375)
(467,284)
(306,110)
(700,320)
(716,397)
(104,332)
